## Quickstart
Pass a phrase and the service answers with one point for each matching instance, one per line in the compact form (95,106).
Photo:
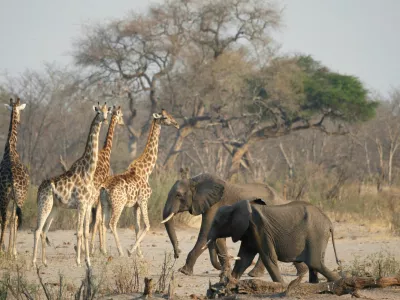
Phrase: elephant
(204,194)
(294,232)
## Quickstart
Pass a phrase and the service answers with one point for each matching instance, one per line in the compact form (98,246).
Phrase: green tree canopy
(293,89)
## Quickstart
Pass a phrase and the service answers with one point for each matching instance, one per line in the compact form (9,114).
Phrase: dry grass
(312,184)
(126,277)
(380,264)
(344,200)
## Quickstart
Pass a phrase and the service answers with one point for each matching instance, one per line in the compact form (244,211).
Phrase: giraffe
(132,188)
(100,175)
(73,189)
(103,172)
(14,179)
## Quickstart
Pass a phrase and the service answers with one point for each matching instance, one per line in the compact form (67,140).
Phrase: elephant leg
(258,270)
(201,241)
(271,263)
(301,268)
(313,276)
(246,258)
(321,268)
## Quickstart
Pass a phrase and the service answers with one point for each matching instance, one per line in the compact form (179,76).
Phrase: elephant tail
(334,247)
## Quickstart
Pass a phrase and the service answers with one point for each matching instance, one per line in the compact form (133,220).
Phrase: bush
(380,264)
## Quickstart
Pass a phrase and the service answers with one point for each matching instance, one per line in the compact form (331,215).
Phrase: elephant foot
(185,270)
(256,273)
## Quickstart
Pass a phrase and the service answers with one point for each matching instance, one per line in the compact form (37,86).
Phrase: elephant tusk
(205,246)
(229,256)
(168,218)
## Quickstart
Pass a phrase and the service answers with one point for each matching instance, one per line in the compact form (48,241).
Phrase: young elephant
(293,232)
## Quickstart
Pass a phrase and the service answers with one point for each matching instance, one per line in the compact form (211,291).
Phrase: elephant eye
(178,195)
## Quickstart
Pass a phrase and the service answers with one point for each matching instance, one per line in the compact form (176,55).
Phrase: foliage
(292,89)
(380,264)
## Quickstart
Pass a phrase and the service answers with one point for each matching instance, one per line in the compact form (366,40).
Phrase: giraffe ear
(8,107)
(22,106)
(95,108)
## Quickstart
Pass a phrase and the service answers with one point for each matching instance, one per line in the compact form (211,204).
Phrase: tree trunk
(367,159)
(132,145)
(381,177)
(183,132)
(392,151)
(288,162)
(236,161)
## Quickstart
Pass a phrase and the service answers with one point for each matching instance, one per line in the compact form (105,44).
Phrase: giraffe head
(15,107)
(165,119)
(102,111)
(117,112)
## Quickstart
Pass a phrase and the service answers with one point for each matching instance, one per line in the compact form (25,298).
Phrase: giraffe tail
(19,215)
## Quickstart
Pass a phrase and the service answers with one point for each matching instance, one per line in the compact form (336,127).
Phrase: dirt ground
(351,240)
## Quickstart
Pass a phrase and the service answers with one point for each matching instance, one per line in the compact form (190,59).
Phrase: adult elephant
(203,195)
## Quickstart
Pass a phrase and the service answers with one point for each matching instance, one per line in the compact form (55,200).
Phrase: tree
(132,55)
(52,122)
(298,93)
(222,34)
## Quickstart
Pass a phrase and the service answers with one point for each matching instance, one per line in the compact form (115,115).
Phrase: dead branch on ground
(343,286)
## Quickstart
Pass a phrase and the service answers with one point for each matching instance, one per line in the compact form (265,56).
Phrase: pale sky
(357,37)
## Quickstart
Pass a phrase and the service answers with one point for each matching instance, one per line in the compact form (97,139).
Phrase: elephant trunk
(170,227)
(214,255)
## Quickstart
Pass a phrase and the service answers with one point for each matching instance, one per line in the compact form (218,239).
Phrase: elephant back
(250,191)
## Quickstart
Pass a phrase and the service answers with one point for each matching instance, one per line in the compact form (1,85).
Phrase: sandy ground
(351,240)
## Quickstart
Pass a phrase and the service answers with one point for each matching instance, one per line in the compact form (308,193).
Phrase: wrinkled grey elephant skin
(293,232)
(204,194)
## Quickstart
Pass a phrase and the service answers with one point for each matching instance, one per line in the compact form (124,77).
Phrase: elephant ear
(240,219)
(205,194)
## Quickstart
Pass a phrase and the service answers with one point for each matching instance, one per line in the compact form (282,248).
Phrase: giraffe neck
(109,138)
(11,144)
(145,164)
(90,156)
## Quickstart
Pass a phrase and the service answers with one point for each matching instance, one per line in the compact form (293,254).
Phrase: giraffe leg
(4,222)
(116,213)
(143,208)
(105,219)
(15,236)
(86,233)
(43,235)
(45,205)
(99,214)
(12,233)
(79,231)
(137,213)
(96,226)
(3,226)
(4,199)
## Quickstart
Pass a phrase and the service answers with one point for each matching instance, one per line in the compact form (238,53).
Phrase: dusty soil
(351,240)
